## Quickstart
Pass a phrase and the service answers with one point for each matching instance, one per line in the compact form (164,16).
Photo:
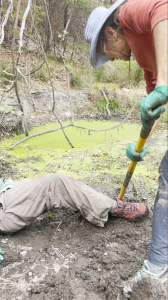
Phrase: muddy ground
(64,257)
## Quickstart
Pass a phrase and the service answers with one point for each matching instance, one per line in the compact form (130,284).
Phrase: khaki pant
(30,197)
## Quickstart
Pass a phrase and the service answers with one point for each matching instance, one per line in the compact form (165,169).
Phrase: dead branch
(23,25)
(10,88)
(107,102)
(10,74)
(48,68)
(32,72)
(37,134)
(4,21)
(73,125)
(54,96)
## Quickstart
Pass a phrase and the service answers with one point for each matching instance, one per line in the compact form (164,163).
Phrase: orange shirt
(138,19)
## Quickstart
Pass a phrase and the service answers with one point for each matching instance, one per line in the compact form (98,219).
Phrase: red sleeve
(140,16)
(151,79)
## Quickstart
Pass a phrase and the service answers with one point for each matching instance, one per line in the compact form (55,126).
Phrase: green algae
(80,138)
(96,154)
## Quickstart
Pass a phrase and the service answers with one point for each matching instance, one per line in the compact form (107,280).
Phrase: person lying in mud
(21,202)
(140,27)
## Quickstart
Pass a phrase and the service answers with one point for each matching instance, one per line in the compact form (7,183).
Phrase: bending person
(140,27)
(21,202)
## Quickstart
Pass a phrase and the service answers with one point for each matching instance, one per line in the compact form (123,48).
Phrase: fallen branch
(73,125)
(37,134)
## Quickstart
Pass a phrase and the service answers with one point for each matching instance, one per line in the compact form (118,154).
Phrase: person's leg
(156,267)
(70,193)
(29,198)
(95,207)
(158,254)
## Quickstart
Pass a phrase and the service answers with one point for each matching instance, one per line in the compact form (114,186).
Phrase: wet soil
(61,256)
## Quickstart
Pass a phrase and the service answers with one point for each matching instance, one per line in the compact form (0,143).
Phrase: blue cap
(93,28)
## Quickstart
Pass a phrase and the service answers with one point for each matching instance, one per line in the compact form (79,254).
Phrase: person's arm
(160,33)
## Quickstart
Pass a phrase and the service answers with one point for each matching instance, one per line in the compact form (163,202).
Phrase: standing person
(140,26)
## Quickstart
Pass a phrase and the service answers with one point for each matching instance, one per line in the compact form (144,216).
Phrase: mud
(61,256)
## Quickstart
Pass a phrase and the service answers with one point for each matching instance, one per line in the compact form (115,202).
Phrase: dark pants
(158,254)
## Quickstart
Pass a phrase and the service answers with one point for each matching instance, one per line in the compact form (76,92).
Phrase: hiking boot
(145,273)
(130,211)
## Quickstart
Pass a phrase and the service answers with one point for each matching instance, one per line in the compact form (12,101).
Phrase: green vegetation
(116,73)
(112,106)
(75,80)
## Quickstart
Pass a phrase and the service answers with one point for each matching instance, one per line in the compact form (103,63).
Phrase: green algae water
(95,154)
(80,138)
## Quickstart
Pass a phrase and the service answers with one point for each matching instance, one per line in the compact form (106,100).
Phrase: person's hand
(1,252)
(133,155)
(151,106)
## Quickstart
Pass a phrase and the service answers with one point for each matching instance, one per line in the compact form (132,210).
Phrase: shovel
(140,144)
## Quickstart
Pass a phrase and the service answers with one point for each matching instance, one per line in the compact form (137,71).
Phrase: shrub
(116,73)
(112,106)
(121,72)
(75,80)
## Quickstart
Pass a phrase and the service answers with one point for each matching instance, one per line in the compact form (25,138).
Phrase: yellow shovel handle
(139,147)
(131,168)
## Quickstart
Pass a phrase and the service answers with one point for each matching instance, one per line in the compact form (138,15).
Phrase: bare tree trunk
(33,16)
(14,65)
(49,29)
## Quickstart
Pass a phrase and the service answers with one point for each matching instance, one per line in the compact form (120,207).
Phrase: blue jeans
(158,253)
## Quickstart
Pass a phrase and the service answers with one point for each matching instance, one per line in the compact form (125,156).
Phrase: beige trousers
(31,197)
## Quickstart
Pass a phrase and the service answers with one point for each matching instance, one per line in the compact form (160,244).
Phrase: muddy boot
(130,211)
(160,276)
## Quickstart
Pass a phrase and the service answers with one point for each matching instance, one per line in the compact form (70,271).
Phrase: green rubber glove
(1,252)
(133,155)
(151,106)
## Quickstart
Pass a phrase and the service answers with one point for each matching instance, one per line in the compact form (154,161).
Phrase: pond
(94,153)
